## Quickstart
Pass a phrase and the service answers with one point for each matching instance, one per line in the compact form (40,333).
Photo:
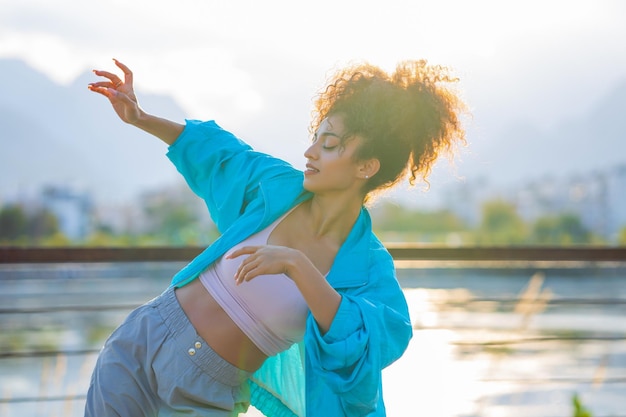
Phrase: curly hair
(406,119)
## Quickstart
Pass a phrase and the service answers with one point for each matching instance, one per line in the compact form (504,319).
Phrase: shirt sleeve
(370,331)
(222,169)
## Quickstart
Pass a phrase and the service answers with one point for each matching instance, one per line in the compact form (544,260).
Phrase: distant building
(582,196)
(598,199)
(73,209)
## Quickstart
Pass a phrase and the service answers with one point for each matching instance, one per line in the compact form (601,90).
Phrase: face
(330,164)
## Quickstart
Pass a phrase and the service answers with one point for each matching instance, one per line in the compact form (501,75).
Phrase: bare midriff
(217,328)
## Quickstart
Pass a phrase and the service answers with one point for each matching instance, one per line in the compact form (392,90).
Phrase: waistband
(189,343)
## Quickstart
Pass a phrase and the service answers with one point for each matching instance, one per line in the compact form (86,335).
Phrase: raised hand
(120,92)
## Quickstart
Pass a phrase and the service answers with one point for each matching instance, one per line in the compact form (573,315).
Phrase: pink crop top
(269,309)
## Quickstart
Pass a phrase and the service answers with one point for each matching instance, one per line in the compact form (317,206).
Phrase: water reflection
(492,361)
(477,350)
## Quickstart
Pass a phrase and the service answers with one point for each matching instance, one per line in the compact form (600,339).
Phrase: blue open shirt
(338,373)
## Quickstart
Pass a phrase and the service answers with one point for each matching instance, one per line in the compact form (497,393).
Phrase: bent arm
(122,96)
(322,299)
(371,329)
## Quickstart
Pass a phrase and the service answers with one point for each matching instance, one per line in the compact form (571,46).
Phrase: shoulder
(198,132)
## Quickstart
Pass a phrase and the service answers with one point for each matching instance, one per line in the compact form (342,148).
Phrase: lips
(310,169)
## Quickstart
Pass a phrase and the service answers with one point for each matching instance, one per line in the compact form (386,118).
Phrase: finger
(246,250)
(128,74)
(105,84)
(98,89)
(106,74)
(247,271)
(114,80)
(107,92)
(243,268)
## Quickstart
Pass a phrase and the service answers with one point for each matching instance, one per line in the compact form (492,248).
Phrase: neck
(333,217)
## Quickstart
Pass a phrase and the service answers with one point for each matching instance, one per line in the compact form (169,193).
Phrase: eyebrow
(326,134)
(331,134)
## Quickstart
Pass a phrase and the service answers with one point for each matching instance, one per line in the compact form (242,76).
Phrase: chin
(309,186)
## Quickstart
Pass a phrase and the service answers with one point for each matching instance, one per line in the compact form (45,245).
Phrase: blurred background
(545,165)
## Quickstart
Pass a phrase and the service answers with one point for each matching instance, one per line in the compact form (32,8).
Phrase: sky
(255,66)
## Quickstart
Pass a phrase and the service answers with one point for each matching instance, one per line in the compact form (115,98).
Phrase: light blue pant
(155,364)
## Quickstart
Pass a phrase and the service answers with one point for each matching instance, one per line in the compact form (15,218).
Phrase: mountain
(593,141)
(53,134)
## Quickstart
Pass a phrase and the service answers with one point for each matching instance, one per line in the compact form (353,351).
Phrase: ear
(369,168)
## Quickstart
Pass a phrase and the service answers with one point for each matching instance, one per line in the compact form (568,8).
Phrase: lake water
(476,351)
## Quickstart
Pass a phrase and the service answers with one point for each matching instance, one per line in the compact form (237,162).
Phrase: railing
(532,302)
(400,252)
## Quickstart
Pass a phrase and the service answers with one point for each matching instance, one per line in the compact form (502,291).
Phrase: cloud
(535,60)
(255,66)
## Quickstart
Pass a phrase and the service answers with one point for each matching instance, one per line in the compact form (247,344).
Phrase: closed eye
(330,140)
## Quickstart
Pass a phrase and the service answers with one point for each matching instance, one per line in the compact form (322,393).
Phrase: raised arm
(122,96)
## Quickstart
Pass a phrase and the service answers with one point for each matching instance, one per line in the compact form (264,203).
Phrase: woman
(295,308)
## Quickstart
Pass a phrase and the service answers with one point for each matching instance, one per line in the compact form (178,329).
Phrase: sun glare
(429,380)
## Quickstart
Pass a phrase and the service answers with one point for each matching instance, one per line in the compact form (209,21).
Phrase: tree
(170,221)
(43,223)
(18,226)
(500,224)
(407,223)
(560,230)
(13,222)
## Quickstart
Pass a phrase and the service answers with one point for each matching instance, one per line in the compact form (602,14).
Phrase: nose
(310,152)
